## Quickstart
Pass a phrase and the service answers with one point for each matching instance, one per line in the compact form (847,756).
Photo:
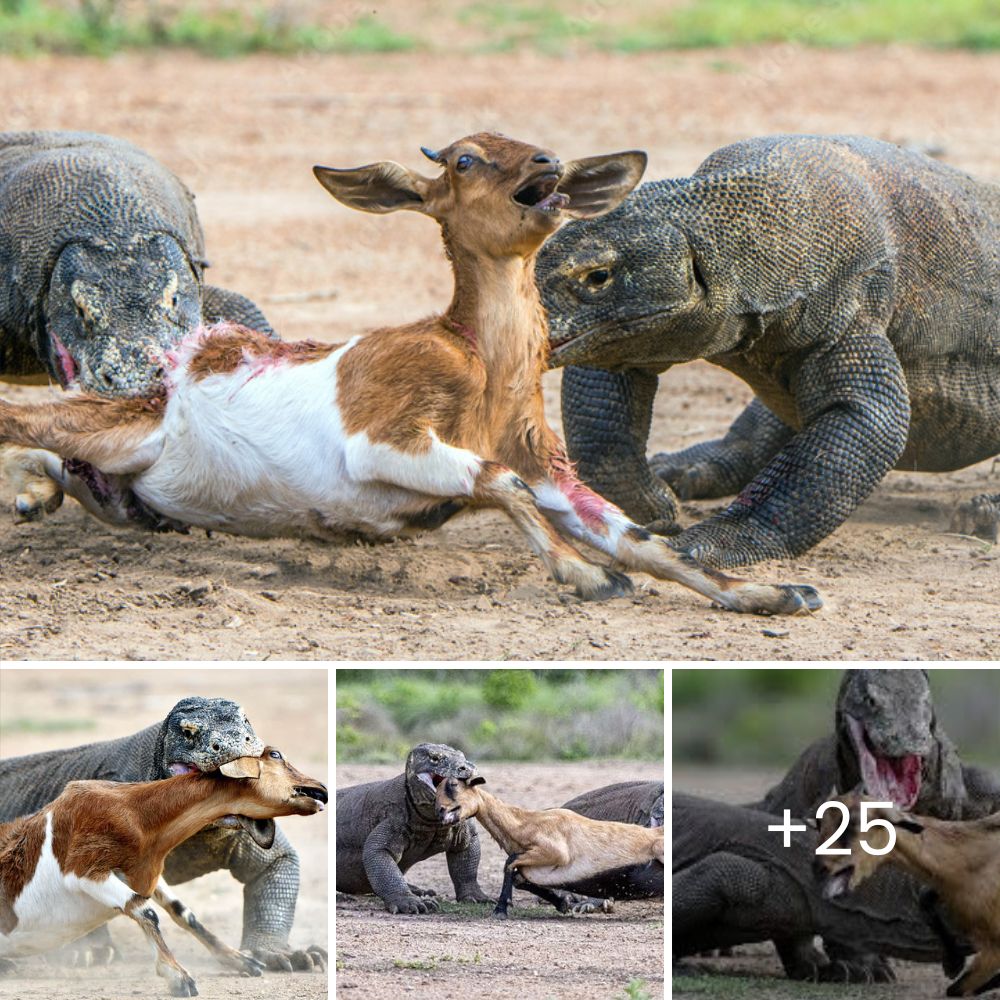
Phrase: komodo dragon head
(885,732)
(113,310)
(427,765)
(621,291)
(202,734)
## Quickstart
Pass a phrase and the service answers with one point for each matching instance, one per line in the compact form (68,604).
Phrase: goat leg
(507,891)
(589,518)
(230,958)
(955,953)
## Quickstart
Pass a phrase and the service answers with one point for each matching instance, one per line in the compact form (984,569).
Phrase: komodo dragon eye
(597,279)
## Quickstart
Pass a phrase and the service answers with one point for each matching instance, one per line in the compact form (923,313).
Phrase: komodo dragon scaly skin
(101,268)
(201,733)
(852,284)
(886,735)
(385,827)
(734,883)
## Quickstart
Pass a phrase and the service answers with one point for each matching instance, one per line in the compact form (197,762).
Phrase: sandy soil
(753,971)
(537,953)
(49,709)
(243,134)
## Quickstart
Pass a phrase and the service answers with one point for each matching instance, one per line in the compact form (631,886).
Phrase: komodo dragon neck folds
(734,883)
(385,827)
(102,263)
(851,283)
(203,734)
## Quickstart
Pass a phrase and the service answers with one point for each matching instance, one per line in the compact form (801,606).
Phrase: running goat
(553,848)
(400,430)
(959,860)
(98,850)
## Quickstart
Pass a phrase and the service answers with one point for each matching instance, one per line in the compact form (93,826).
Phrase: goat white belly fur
(262,450)
(49,916)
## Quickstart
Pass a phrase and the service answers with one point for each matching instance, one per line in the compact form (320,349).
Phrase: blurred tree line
(515,714)
(768,716)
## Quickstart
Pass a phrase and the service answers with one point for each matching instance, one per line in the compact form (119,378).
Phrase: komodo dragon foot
(979,516)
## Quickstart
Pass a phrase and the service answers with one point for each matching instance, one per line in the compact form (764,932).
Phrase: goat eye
(597,278)
(275,754)
(463,163)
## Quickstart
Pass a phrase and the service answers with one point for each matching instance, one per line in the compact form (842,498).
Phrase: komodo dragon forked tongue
(893,779)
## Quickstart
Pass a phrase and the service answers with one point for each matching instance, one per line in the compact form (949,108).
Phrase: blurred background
(514,715)
(558,27)
(732,719)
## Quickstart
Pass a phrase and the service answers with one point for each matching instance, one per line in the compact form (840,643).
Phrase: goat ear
(242,767)
(379,187)
(477,780)
(597,184)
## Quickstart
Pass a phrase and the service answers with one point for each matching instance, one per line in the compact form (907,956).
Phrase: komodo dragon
(385,827)
(734,883)
(886,736)
(201,733)
(101,270)
(855,287)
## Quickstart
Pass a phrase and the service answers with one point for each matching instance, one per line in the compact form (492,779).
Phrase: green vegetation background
(767,717)
(520,714)
(229,28)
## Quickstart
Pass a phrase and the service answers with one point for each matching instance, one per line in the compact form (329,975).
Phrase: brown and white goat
(550,848)
(959,860)
(401,429)
(98,850)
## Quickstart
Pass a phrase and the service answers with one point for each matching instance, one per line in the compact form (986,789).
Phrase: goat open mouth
(319,794)
(892,779)
(540,193)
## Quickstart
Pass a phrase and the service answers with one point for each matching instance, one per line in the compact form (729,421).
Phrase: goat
(551,848)
(959,860)
(397,431)
(98,850)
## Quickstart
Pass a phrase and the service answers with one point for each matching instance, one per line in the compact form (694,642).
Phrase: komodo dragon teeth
(851,283)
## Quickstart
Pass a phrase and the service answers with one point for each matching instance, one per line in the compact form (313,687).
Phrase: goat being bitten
(397,431)
(551,849)
(98,851)
(959,860)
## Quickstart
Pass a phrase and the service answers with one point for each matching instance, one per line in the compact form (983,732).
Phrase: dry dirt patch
(244,134)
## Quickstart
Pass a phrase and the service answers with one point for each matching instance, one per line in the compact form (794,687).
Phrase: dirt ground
(536,954)
(48,709)
(753,972)
(244,134)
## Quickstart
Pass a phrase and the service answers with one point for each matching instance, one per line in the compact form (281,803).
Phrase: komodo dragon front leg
(854,408)
(270,879)
(726,889)
(720,468)
(381,855)
(606,416)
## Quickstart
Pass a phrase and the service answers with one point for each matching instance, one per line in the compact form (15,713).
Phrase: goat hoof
(613,585)
(500,914)
(183,987)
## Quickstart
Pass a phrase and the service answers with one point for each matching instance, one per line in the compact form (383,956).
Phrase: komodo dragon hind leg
(979,516)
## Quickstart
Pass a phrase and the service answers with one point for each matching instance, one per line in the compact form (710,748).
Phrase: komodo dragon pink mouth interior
(891,779)
(430,779)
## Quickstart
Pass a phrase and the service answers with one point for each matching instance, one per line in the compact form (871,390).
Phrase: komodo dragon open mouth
(430,779)
(890,779)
